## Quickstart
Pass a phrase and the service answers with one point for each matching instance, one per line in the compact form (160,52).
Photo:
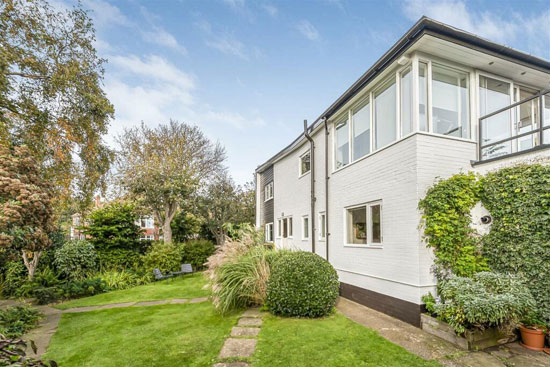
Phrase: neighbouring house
(150,231)
(438,102)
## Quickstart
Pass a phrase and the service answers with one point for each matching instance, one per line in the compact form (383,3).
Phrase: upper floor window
(385,114)
(361,130)
(342,144)
(450,102)
(305,163)
(405,98)
(268,191)
(422,96)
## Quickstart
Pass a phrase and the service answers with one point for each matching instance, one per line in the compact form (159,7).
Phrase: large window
(268,191)
(305,227)
(422,96)
(405,98)
(269,232)
(305,163)
(384,114)
(364,224)
(450,102)
(361,130)
(495,94)
(342,144)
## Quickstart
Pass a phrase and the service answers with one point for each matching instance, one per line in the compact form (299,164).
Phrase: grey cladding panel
(267,207)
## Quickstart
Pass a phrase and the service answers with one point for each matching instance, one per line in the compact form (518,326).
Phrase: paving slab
(100,307)
(245,331)
(237,348)
(179,301)
(198,300)
(151,303)
(253,312)
(43,334)
(249,321)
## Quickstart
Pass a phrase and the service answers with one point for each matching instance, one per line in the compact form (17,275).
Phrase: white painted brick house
(417,114)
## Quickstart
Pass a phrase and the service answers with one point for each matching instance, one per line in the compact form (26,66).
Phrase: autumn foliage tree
(164,167)
(26,214)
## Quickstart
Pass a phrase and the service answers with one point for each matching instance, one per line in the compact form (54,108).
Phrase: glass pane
(423,97)
(322,225)
(342,144)
(406,102)
(305,163)
(306,227)
(527,119)
(285,228)
(375,219)
(493,95)
(357,225)
(290,227)
(546,110)
(450,102)
(279,228)
(385,114)
(361,132)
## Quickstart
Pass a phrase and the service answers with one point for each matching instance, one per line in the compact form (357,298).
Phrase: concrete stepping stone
(151,303)
(198,300)
(245,331)
(249,321)
(235,348)
(253,312)
(231,364)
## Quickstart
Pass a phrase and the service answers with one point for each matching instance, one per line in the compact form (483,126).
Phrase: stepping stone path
(242,342)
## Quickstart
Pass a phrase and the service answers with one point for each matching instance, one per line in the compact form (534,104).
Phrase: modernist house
(440,101)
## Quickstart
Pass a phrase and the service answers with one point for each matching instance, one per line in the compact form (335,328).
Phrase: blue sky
(249,72)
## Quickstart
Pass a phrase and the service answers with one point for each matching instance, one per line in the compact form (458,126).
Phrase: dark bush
(17,320)
(119,259)
(302,284)
(15,275)
(76,259)
(163,256)
(46,295)
(196,252)
(83,288)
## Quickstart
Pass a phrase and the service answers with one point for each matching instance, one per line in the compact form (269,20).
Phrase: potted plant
(533,333)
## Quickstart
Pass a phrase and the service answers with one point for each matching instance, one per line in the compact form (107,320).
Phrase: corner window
(305,163)
(361,131)
(322,226)
(423,96)
(385,114)
(364,224)
(268,191)
(450,102)
(269,232)
(342,144)
(305,227)
(405,97)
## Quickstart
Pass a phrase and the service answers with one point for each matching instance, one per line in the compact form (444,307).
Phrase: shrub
(17,320)
(122,279)
(83,288)
(47,295)
(119,259)
(302,284)
(15,276)
(485,300)
(13,354)
(162,256)
(75,259)
(196,252)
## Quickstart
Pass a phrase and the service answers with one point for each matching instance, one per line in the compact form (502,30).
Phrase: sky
(249,72)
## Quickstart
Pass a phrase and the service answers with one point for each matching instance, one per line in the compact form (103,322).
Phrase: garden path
(427,346)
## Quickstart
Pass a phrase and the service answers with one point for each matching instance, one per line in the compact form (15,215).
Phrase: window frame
(267,238)
(322,219)
(279,228)
(269,186)
(305,218)
(369,242)
(300,173)
(289,227)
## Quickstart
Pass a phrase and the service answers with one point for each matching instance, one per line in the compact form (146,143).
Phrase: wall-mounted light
(491,63)
(486,219)
(403,60)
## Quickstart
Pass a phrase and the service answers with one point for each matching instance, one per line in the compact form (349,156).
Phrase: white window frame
(279,228)
(300,173)
(370,243)
(268,191)
(304,219)
(322,223)
(269,232)
(289,227)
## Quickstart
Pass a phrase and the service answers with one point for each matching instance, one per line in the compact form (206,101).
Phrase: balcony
(518,128)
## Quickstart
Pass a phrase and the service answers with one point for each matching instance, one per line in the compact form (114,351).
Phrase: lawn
(188,286)
(333,341)
(163,336)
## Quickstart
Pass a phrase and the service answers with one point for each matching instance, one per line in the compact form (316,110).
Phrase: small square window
(305,163)
(364,224)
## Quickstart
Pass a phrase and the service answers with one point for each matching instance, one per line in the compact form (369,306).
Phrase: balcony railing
(519,127)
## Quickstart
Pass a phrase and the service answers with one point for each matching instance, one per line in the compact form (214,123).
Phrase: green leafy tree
(114,227)
(51,98)
(186,226)
(26,214)
(165,167)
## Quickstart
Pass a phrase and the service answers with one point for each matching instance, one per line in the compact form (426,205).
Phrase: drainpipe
(312,174)
(327,234)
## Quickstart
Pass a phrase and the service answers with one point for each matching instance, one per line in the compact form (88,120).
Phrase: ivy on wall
(518,199)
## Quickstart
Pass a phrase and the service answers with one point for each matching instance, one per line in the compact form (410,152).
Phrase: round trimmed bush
(75,259)
(302,284)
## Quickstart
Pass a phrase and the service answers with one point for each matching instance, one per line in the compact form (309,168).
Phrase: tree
(186,226)
(51,98)
(164,167)
(225,203)
(26,214)
(114,227)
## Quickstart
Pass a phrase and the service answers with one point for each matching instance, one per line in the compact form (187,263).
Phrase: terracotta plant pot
(532,338)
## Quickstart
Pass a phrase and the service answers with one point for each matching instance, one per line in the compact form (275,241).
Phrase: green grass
(188,286)
(333,341)
(188,335)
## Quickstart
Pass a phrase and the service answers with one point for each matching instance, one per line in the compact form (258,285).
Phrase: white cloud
(307,30)
(229,45)
(163,38)
(531,33)
(105,14)
(271,9)
(233,119)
